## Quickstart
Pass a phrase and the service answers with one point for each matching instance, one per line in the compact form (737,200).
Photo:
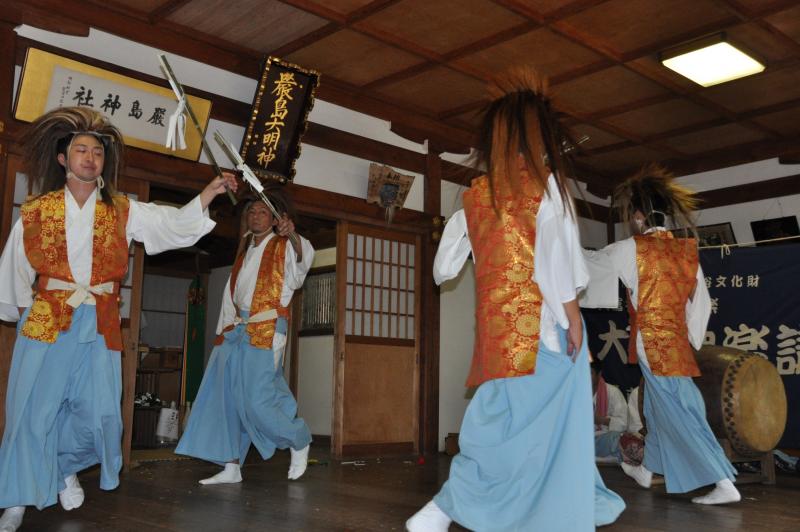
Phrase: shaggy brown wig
(654,192)
(521,121)
(51,134)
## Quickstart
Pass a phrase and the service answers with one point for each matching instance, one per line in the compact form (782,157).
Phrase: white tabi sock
(725,492)
(230,475)
(639,473)
(430,518)
(72,496)
(12,519)
(299,463)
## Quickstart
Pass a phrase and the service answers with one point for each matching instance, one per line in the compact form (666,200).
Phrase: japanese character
(136,111)
(86,100)
(111,104)
(736,281)
(752,281)
(714,305)
(708,281)
(612,339)
(746,338)
(721,280)
(158,116)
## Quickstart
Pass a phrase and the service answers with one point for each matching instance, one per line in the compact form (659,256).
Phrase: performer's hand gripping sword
(181,95)
(250,178)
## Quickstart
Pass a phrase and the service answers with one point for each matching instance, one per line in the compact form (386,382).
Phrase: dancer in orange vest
(64,389)
(527,450)
(669,308)
(244,397)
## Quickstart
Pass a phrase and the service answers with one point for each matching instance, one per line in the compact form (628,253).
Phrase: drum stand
(767,461)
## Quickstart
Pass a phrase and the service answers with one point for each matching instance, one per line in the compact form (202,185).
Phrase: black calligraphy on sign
(158,116)
(83,97)
(136,110)
(111,104)
(278,120)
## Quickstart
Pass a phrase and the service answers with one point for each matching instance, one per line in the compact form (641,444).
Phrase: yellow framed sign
(140,110)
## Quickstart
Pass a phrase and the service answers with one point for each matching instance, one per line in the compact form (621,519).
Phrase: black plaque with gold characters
(278,119)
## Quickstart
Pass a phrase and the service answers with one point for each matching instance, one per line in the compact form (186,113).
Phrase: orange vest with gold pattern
(509,303)
(45,241)
(667,276)
(267,294)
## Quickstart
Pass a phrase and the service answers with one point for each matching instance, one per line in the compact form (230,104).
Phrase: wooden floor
(377,496)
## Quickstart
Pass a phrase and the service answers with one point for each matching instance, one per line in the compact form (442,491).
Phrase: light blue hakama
(607,444)
(62,413)
(679,442)
(243,399)
(527,453)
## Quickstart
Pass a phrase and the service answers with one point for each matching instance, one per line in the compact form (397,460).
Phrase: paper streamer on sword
(250,178)
(183,104)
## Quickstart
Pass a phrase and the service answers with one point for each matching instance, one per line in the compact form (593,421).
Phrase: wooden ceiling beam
(731,156)
(305,40)
(761,190)
(166,9)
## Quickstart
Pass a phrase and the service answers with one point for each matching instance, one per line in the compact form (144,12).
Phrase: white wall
(315,383)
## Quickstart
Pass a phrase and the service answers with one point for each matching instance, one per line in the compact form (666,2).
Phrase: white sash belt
(264,315)
(81,294)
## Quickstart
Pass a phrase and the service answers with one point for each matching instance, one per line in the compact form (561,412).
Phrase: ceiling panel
(760,42)
(439,89)
(444,25)
(262,25)
(784,122)
(352,57)
(787,21)
(626,25)
(145,6)
(713,139)
(544,50)
(757,91)
(545,7)
(601,90)
(624,160)
(345,7)
(666,116)
(597,137)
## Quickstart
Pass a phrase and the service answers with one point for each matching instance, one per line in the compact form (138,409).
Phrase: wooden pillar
(429,404)
(8,47)
(130,354)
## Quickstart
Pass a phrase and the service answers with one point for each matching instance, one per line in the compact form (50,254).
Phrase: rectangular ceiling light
(710,63)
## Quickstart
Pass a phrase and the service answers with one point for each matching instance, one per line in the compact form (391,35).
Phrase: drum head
(754,404)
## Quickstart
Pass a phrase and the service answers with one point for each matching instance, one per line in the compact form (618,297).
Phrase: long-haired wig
(52,133)
(520,121)
(654,192)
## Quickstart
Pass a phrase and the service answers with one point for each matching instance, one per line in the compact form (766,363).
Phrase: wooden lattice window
(318,314)
(380,287)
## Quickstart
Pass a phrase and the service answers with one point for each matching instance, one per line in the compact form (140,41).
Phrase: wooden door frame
(343,228)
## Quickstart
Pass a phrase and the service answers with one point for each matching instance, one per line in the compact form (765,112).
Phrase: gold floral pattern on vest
(45,241)
(509,303)
(667,270)
(267,293)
